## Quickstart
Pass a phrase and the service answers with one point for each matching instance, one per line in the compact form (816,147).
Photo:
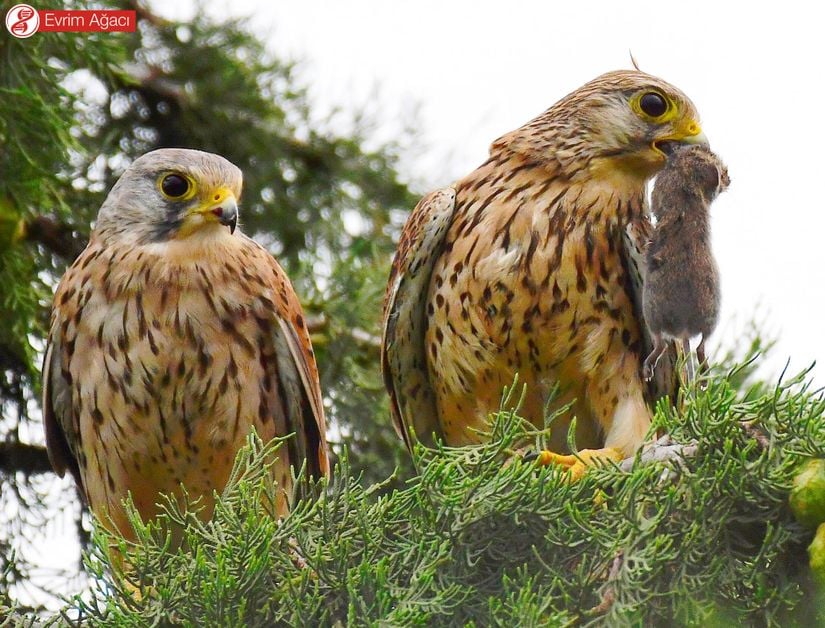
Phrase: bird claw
(662,450)
(530,456)
(576,465)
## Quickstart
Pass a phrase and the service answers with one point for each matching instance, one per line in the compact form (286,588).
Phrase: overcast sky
(478,69)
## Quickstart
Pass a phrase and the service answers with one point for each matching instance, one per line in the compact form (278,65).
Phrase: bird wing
(403,354)
(297,378)
(306,407)
(58,419)
(665,382)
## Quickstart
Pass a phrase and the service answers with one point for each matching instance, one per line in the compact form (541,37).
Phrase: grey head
(172,193)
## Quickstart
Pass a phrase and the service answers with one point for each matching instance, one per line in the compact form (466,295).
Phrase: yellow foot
(577,464)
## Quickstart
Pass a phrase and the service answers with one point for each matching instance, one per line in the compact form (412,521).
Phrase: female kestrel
(531,265)
(173,336)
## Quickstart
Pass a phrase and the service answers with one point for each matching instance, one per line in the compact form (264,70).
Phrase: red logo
(22,21)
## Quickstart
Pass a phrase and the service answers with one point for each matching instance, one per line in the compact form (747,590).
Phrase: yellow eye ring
(176,186)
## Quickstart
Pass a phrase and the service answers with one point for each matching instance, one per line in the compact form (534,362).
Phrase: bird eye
(653,104)
(174,185)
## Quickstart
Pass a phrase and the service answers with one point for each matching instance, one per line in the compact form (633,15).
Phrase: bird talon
(576,465)
(530,456)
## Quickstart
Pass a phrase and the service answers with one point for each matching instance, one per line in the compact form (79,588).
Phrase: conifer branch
(23,458)
(59,238)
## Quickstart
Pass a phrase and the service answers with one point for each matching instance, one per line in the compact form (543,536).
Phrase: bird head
(173,194)
(624,122)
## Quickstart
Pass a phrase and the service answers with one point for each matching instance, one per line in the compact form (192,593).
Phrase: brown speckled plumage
(531,264)
(172,338)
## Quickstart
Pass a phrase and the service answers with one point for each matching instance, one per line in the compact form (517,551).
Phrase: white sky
(478,69)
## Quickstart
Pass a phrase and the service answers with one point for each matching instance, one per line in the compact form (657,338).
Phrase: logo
(22,21)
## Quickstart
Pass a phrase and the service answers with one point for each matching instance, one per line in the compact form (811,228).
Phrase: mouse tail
(690,368)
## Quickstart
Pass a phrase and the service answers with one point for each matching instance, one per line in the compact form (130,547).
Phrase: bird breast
(172,366)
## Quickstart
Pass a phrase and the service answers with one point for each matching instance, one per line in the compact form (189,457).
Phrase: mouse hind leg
(700,354)
(659,347)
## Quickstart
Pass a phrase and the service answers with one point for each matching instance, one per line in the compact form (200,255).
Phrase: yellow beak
(687,132)
(699,138)
(221,205)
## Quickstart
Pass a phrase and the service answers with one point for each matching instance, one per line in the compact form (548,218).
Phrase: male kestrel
(531,264)
(173,336)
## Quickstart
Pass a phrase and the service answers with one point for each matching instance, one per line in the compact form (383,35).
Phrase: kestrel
(532,264)
(172,337)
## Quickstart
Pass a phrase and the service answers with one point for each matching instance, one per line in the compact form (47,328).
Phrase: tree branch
(59,238)
(753,431)
(27,459)
(663,450)
(320,324)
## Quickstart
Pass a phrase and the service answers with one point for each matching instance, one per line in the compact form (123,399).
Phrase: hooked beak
(699,138)
(686,133)
(221,206)
(227,213)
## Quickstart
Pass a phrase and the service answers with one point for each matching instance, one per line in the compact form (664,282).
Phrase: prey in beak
(688,132)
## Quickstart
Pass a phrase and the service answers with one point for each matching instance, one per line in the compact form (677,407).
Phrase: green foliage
(76,109)
(37,146)
(485,537)
(478,537)
(317,192)
(36,142)
(816,556)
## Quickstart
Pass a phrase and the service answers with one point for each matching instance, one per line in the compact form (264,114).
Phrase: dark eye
(653,104)
(174,185)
